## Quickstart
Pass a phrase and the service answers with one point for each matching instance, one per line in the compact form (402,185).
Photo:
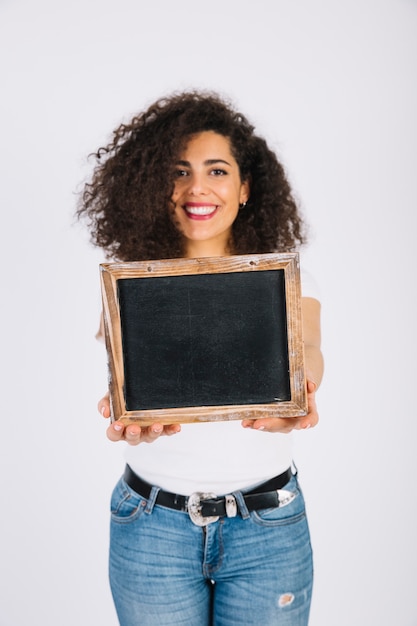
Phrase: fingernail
(157,430)
(117,427)
(102,411)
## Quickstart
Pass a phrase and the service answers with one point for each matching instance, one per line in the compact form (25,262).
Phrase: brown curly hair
(127,201)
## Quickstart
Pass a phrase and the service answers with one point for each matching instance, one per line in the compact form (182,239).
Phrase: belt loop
(241,504)
(152,499)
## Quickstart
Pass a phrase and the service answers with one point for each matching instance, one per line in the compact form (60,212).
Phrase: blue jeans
(252,569)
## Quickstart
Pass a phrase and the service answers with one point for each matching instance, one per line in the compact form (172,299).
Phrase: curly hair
(127,202)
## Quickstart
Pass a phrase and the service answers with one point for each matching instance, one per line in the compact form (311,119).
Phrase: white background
(333,87)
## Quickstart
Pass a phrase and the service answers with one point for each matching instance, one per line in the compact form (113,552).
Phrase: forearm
(314,363)
(312,340)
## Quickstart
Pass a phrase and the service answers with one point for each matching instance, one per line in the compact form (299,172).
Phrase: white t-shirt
(217,457)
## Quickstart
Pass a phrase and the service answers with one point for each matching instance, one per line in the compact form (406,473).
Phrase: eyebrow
(207,162)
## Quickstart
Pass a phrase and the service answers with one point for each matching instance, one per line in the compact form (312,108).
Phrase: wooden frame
(230,270)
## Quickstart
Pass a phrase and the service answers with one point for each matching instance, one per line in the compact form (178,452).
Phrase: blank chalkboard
(204,339)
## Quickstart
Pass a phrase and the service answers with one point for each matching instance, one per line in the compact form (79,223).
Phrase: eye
(218,172)
(180,173)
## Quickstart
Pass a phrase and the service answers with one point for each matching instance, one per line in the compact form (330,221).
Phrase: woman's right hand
(134,433)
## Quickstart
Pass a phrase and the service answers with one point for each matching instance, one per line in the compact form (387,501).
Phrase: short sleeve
(309,286)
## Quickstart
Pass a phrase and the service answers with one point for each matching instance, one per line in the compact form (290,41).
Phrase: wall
(333,87)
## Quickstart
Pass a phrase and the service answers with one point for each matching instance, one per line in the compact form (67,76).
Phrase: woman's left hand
(287,424)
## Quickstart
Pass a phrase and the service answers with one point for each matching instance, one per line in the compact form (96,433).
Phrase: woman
(189,178)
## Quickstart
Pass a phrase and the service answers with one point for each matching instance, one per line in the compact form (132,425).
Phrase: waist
(204,508)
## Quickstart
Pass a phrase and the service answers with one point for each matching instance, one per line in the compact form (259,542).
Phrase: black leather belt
(204,508)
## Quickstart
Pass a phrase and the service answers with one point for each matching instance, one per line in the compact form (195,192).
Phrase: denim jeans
(252,569)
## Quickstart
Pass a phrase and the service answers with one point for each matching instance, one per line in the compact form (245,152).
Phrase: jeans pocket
(126,505)
(286,514)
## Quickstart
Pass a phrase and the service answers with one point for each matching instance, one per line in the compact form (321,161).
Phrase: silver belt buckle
(194,508)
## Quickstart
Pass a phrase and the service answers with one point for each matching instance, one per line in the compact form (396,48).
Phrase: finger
(247,423)
(272,425)
(157,430)
(172,429)
(310,420)
(150,433)
(104,406)
(311,386)
(115,431)
(133,434)
(280,425)
(313,417)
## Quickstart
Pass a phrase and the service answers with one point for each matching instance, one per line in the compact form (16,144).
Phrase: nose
(198,184)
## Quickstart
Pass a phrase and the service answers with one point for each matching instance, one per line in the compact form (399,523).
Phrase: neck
(200,249)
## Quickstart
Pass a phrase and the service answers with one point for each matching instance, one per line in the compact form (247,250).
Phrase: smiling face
(207,194)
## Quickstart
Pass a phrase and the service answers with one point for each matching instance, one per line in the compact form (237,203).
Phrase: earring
(242,206)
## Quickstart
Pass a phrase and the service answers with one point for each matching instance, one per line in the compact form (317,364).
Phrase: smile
(199,210)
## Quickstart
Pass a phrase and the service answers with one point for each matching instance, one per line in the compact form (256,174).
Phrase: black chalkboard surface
(204,339)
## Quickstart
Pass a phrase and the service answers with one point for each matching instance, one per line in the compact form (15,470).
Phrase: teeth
(200,210)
